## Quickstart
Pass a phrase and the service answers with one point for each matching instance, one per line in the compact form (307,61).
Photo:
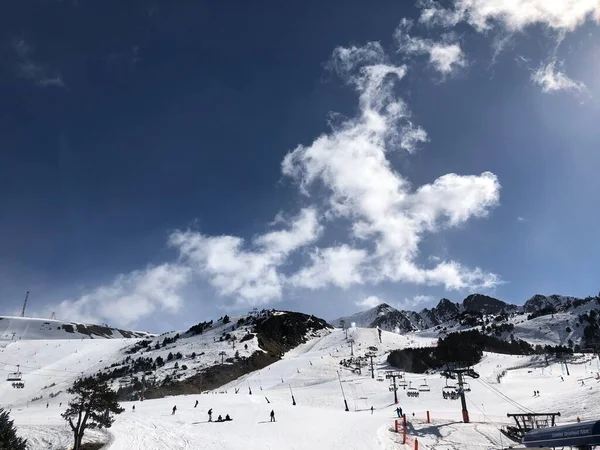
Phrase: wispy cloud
(510,17)
(445,56)
(553,80)
(386,213)
(130,297)
(248,273)
(369,302)
(29,69)
(560,15)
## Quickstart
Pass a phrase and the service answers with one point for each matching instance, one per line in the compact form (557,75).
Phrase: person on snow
(210,415)
(227,418)
(47,404)
(273,416)
(133,408)
(174,409)
(371,410)
(196,403)
(399,411)
(219,419)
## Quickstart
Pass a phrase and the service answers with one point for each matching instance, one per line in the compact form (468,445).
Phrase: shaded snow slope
(28,328)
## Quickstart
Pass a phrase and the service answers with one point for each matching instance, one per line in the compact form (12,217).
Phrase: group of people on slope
(219,419)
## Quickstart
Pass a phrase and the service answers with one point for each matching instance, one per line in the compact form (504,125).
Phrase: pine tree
(93,401)
(8,434)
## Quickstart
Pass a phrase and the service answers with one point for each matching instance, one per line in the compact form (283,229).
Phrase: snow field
(318,420)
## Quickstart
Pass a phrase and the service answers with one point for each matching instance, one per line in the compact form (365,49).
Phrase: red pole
(416,444)
(396,426)
(428,417)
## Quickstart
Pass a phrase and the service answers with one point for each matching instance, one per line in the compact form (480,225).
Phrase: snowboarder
(210,415)
(273,416)
(174,409)
(219,419)
(371,410)
(196,403)
(227,418)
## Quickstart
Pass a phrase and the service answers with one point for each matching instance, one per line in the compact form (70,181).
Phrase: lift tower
(25,304)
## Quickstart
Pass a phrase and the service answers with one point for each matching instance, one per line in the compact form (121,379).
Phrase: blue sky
(164,163)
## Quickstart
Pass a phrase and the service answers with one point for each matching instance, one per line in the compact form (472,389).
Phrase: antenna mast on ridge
(25,304)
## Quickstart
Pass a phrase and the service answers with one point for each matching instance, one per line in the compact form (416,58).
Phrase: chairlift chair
(402,383)
(411,391)
(466,387)
(424,387)
(15,376)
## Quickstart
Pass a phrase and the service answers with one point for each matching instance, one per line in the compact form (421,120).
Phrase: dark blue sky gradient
(178,114)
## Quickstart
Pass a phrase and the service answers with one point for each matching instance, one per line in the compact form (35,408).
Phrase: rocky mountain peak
(486,304)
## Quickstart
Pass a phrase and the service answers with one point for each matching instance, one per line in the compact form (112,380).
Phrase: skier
(196,403)
(174,409)
(133,408)
(273,416)
(399,411)
(47,405)
(371,410)
(210,415)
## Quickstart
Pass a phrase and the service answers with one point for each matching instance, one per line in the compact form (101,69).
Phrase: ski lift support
(393,375)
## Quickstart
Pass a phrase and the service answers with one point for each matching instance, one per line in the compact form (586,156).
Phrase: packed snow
(313,375)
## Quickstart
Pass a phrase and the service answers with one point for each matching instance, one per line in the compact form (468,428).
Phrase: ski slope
(312,373)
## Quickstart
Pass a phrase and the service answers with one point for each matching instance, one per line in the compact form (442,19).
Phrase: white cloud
(252,275)
(339,266)
(446,56)
(521,219)
(384,210)
(513,15)
(29,69)
(130,297)
(369,302)
(415,303)
(552,80)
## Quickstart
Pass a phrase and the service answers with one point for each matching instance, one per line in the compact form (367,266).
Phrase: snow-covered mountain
(383,316)
(554,319)
(29,328)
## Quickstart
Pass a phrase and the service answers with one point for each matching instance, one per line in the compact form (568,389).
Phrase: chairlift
(466,387)
(15,376)
(424,387)
(411,391)
(380,377)
(449,392)
(402,383)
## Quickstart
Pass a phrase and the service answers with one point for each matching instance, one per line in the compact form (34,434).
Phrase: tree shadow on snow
(431,430)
